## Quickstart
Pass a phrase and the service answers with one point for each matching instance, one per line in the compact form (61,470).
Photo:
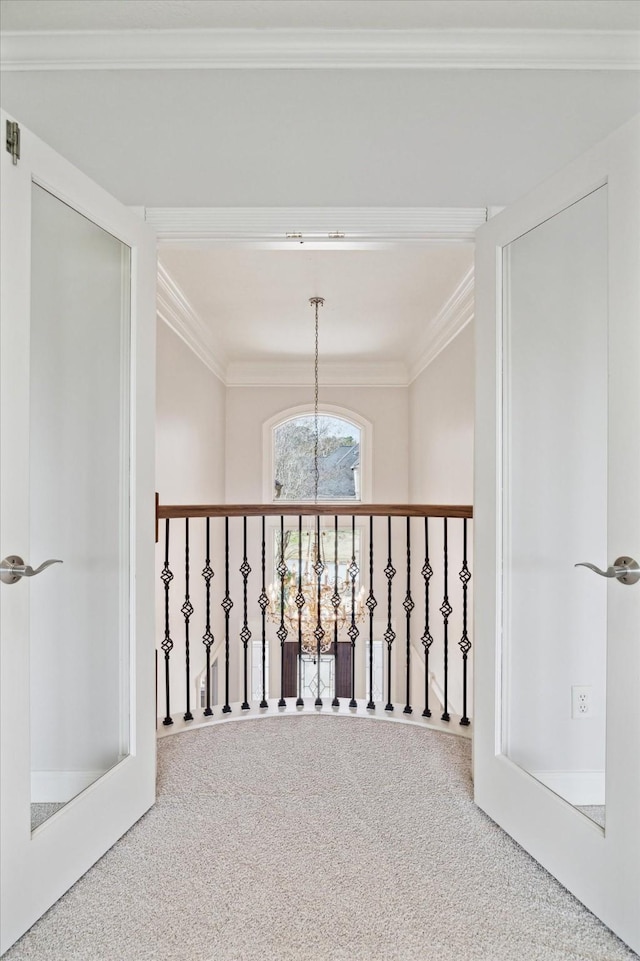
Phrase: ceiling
(379,304)
(318,138)
(319,14)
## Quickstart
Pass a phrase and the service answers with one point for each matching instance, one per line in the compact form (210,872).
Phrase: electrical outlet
(581,702)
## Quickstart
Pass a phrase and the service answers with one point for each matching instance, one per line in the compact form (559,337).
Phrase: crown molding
(331,49)
(452,317)
(314,226)
(175,311)
(296,374)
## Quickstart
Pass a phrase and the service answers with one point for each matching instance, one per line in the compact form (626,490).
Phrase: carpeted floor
(42,812)
(316,839)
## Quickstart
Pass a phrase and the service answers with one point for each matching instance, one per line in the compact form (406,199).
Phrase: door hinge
(13,140)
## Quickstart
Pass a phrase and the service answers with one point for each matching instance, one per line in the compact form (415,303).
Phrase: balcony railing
(364,605)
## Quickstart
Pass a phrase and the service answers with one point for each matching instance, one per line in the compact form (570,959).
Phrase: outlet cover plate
(581,701)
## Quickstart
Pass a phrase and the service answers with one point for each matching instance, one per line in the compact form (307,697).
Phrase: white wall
(190,425)
(441,410)
(249,407)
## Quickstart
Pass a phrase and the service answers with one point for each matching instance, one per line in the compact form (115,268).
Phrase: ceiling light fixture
(312,599)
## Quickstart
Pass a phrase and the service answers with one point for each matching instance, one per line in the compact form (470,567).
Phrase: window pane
(338,459)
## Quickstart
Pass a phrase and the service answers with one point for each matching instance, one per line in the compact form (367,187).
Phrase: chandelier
(313,602)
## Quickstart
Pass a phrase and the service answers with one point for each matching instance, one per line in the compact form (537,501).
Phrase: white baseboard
(577,787)
(60,786)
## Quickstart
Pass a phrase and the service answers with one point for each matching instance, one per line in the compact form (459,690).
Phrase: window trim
(332,410)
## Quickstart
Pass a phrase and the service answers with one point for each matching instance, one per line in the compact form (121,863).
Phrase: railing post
(319,631)
(371,606)
(335,602)
(263,603)
(187,611)
(427,639)
(207,638)
(300,602)
(167,643)
(464,643)
(353,631)
(282,631)
(245,633)
(226,605)
(408,607)
(389,634)
(446,610)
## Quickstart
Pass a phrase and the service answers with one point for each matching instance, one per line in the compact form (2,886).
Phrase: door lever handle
(624,569)
(12,568)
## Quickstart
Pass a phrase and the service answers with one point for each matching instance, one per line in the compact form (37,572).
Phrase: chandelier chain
(318,302)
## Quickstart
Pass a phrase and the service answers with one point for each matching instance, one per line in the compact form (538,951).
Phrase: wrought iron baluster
(389,634)
(319,631)
(446,610)
(245,633)
(353,631)
(335,601)
(464,643)
(371,606)
(427,639)
(408,607)
(187,611)
(226,605)
(263,602)
(207,638)
(282,630)
(167,643)
(300,602)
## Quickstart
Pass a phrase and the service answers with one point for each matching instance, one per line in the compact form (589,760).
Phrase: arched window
(345,445)
(294,447)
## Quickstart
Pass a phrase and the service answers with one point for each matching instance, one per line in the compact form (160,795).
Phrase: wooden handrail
(165,511)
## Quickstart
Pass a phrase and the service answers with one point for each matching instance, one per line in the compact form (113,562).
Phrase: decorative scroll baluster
(300,602)
(446,610)
(371,606)
(263,602)
(207,638)
(389,634)
(187,611)
(245,633)
(464,643)
(282,631)
(335,602)
(226,605)
(326,574)
(319,631)
(353,631)
(427,639)
(167,643)
(408,607)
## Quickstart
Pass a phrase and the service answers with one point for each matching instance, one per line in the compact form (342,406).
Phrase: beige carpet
(316,839)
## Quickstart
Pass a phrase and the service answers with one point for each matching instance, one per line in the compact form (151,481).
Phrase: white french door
(557,664)
(76,432)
